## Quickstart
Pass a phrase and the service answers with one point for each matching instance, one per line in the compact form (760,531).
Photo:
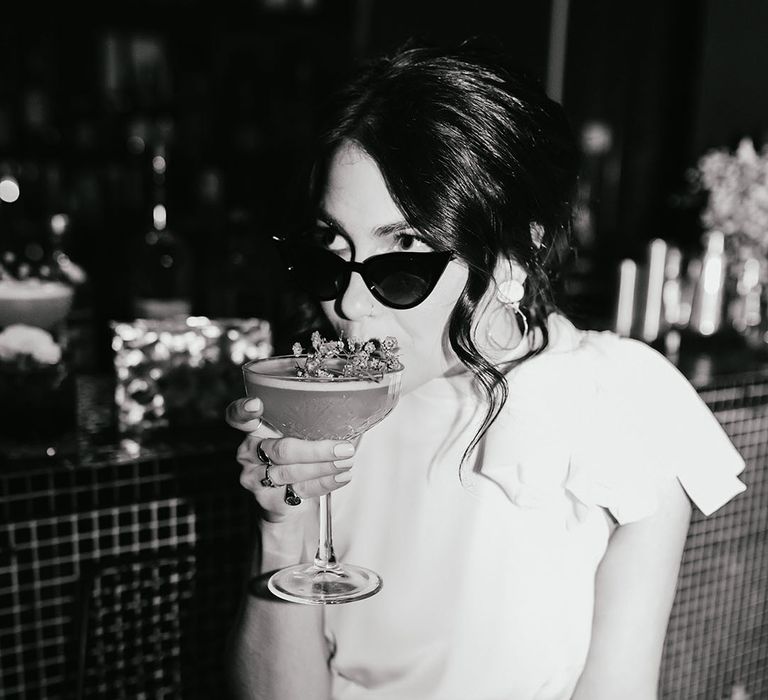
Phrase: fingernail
(343,477)
(253,405)
(343,463)
(344,449)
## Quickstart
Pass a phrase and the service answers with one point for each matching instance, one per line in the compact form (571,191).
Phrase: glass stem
(325,558)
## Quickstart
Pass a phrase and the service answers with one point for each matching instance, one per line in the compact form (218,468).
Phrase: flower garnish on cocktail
(351,357)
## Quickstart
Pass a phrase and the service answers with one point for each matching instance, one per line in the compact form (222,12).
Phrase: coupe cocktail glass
(318,408)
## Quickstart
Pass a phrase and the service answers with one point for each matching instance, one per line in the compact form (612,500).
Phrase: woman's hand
(312,467)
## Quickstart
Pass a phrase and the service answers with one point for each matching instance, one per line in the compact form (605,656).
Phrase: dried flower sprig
(350,357)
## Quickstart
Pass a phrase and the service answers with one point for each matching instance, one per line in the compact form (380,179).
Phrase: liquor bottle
(707,306)
(745,308)
(79,333)
(162,268)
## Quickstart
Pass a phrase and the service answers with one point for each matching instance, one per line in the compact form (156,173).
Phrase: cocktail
(333,406)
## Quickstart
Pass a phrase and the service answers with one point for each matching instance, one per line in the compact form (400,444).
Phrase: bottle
(79,331)
(707,306)
(745,305)
(652,319)
(626,299)
(162,268)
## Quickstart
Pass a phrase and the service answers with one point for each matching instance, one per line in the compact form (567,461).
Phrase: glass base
(306,583)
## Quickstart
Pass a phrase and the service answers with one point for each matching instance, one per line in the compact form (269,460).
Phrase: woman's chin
(414,381)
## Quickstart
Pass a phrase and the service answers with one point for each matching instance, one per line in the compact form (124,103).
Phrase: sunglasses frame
(440,258)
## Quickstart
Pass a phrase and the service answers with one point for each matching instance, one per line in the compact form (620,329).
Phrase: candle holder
(175,373)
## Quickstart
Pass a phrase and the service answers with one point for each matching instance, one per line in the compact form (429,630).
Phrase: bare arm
(635,589)
(277,648)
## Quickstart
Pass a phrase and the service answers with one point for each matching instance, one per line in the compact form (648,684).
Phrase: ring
(291,497)
(267,480)
(265,460)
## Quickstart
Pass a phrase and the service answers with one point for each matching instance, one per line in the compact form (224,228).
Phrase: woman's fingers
(294,460)
(245,414)
(313,468)
(251,480)
(271,500)
(288,450)
(281,474)
(319,487)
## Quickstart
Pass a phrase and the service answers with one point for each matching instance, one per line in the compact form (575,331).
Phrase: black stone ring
(291,497)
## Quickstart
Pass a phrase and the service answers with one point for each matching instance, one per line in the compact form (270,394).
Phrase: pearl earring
(510,292)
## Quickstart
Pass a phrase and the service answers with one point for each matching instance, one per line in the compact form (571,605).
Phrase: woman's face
(363,220)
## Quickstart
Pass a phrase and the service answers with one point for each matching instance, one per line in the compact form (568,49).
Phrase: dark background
(231,89)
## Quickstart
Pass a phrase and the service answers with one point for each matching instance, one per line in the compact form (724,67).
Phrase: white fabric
(489,586)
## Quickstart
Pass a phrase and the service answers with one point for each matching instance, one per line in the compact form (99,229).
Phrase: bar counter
(122,557)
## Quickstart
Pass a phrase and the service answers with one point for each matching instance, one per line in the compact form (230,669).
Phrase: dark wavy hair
(480,162)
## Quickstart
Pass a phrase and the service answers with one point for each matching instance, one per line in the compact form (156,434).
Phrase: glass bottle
(162,269)
(708,299)
(745,308)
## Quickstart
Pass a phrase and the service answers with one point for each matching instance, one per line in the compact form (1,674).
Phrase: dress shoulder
(646,423)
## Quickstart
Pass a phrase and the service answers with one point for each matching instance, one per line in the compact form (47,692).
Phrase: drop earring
(509,294)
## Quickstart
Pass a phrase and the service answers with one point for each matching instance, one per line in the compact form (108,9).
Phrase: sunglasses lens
(398,280)
(319,271)
(402,280)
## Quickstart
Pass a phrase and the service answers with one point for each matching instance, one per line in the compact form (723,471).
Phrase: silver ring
(267,462)
(267,480)
(291,497)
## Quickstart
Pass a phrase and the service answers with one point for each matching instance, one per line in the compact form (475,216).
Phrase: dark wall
(521,26)
(732,89)
(633,75)
(633,69)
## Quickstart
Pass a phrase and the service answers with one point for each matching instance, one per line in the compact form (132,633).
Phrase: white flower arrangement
(736,184)
(19,341)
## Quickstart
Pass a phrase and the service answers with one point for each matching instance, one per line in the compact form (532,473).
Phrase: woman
(527,501)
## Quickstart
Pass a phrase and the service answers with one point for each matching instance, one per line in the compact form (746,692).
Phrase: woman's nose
(356,302)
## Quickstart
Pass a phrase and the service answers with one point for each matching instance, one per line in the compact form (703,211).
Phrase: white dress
(489,584)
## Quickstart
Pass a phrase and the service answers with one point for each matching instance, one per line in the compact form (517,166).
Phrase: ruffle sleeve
(647,424)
